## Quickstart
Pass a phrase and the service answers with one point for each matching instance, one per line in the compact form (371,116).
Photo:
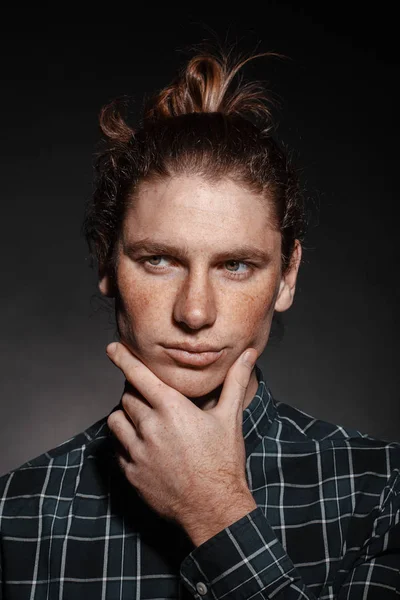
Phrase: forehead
(191,210)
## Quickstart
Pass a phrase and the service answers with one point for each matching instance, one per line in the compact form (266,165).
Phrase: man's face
(198,264)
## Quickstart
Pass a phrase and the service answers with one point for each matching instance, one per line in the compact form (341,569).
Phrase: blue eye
(233,269)
(236,264)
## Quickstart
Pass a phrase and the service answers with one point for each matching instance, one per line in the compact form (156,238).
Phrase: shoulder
(300,424)
(47,472)
(354,452)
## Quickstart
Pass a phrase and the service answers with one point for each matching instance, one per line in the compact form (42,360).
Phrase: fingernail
(249,358)
(111,348)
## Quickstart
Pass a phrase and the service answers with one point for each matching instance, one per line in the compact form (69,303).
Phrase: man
(199,484)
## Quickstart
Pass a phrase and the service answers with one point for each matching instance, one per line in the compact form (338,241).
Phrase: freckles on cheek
(253,312)
(140,305)
(131,293)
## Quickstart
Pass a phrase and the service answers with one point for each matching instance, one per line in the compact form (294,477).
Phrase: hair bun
(205,86)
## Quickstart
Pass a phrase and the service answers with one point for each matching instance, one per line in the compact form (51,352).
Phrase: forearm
(210,521)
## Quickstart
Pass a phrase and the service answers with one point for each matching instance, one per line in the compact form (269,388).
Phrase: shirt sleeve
(247,561)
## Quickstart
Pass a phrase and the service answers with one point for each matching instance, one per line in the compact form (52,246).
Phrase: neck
(210,400)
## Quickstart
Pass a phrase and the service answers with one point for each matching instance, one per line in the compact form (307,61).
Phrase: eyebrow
(244,251)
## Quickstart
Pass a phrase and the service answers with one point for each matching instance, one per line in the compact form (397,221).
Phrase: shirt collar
(259,415)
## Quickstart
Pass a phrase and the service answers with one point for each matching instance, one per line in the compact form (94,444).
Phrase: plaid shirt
(327,522)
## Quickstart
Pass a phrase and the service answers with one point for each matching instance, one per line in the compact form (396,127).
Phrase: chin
(192,383)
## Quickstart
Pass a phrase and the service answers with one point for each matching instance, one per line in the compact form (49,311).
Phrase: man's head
(196,223)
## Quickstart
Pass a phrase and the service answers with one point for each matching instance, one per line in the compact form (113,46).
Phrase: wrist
(207,522)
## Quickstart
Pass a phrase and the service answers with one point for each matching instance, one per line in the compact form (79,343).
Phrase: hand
(186,463)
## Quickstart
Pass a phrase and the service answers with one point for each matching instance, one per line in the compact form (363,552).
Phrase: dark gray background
(338,357)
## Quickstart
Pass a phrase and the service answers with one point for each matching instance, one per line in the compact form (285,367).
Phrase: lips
(194,347)
(196,358)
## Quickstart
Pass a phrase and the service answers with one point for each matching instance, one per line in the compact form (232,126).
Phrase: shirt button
(201,588)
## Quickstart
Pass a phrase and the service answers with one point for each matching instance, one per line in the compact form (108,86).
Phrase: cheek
(252,313)
(139,307)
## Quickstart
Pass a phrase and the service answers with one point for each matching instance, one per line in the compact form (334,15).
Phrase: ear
(287,286)
(106,283)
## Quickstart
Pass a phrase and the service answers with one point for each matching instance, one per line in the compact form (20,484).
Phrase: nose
(195,304)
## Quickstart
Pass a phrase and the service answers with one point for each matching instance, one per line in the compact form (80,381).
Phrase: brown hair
(201,124)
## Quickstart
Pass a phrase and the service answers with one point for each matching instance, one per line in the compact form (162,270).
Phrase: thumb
(236,383)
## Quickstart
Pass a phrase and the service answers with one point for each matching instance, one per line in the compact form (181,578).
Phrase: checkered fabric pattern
(327,522)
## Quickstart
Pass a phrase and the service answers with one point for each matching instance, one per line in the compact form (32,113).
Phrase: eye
(237,269)
(155,261)
(234,266)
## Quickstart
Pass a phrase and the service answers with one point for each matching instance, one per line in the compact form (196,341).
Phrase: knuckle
(241,379)
(172,406)
(242,382)
(145,426)
(115,425)
(112,420)
(170,400)
(125,400)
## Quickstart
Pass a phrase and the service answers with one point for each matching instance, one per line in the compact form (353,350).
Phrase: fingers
(124,431)
(236,382)
(244,367)
(145,381)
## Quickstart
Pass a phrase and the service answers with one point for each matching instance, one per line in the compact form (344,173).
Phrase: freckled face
(187,274)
